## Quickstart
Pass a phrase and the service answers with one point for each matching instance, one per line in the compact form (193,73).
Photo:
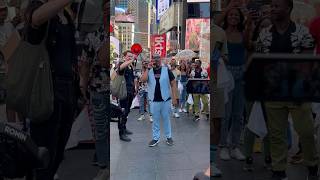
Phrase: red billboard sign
(158,45)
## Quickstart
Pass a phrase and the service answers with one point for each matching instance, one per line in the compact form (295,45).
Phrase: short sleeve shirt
(295,40)
(99,75)
(157,92)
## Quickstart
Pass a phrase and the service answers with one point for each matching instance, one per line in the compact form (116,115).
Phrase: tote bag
(29,82)
(119,87)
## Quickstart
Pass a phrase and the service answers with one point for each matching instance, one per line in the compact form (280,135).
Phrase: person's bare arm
(125,64)
(144,77)
(174,92)
(47,11)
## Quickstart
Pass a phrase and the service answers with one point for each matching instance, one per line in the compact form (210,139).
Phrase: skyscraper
(122,4)
(139,9)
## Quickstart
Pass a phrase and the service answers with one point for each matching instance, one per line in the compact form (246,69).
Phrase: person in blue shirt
(162,90)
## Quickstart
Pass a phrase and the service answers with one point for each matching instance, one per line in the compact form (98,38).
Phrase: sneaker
(56,177)
(180,110)
(151,120)
(153,143)
(237,154)
(279,175)
(141,118)
(176,115)
(184,110)
(224,154)
(103,174)
(197,118)
(215,171)
(169,141)
(248,165)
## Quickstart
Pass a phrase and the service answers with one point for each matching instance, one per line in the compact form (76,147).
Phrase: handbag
(29,82)
(119,87)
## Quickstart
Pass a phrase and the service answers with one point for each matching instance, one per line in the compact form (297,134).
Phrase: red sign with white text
(158,45)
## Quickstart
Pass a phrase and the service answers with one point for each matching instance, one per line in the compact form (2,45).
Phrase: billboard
(162,6)
(158,45)
(198,37)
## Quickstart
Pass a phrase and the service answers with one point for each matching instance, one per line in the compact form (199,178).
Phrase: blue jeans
(161,110)
(143,95)
(183,95)
(101,106)
(233,122)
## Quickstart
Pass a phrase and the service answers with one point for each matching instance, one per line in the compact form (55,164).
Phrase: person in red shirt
(314,26)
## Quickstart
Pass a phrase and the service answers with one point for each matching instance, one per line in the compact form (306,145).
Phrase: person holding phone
(286,36)
(200,73)
(126,68)
(162,89)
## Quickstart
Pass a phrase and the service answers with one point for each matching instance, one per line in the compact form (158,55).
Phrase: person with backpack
(162,89)
(48,21)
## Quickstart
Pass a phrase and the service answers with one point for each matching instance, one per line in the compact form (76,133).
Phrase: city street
(136,161)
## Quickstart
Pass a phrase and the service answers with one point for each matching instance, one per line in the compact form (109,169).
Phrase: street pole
(178,27)
(149,22)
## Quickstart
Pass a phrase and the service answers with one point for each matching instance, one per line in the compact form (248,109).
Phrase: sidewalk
(136,161)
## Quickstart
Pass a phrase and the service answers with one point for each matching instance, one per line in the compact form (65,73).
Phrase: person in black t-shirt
(200,73)
(54,132)
(286,36)
(127,69)
(162,89)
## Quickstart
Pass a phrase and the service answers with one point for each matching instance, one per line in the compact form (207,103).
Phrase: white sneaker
(141,118)
(237,154)
(151,120)
(184,110)
(180,110)
(176,115)
(56,177)
(103,174)
(224,154)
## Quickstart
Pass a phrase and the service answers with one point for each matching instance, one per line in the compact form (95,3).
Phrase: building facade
(126,35)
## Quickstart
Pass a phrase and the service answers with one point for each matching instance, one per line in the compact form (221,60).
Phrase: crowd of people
(238,32)
(160,95)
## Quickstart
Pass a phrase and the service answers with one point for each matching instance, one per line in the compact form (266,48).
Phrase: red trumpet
(136,49)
